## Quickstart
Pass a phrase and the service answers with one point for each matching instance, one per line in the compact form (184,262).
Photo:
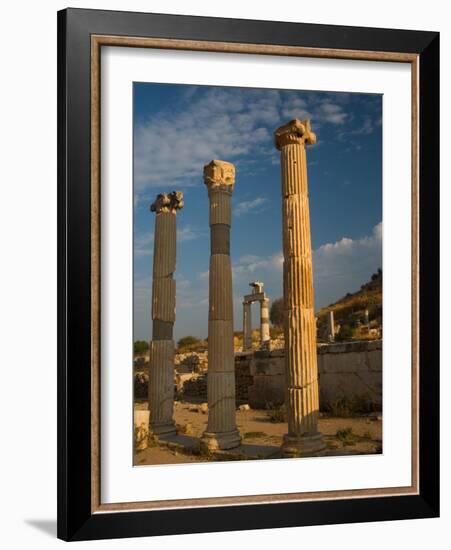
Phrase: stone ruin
(257,296)
(301,373)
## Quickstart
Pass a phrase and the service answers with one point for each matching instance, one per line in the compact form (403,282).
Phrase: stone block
(141,429)
(267,390)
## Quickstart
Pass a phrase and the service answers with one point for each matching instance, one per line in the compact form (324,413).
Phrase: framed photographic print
(248,274)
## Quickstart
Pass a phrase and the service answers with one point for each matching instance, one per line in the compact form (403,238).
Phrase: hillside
(349,311)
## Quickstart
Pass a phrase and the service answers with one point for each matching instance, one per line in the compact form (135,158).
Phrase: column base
(168,428)
(214,441)
(305,445)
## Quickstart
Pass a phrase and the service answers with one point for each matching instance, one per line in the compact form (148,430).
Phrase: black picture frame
(76,521)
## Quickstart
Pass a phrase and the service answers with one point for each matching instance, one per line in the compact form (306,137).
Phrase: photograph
(224,262)
(257,273)
(248,255)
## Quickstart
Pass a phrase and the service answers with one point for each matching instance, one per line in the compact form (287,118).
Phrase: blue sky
(180,128)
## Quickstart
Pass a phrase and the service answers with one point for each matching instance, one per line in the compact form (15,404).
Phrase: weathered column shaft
(247,326)
(244,326)
(300,327)
(264,322)
(161,372)
(221,431)
(330,326)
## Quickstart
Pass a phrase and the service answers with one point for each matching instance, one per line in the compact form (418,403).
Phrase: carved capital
(219,174)
(257,287)
(294,132)
(167,202)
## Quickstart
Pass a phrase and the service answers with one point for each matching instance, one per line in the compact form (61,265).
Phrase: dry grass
(254,435)
(345,407)
(347,437)
(276,415)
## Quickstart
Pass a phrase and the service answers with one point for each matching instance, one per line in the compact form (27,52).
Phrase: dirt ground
(343,436)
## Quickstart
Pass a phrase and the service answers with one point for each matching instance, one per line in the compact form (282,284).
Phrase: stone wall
(195,387)
(350,374)
(267,369)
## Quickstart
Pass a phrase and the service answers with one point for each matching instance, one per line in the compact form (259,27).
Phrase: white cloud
(248,207)
(229,124)
(249,264)
(320,111)
(142,296)
(364,128)
(251,268)
(367,127)
(188,233)
(339,267)
(331,112)
(343,266)
(174,146)
(143,245)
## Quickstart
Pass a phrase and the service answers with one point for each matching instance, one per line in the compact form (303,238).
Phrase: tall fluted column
(222,432)
(161,374)
(300,330)
(264,323)
(247,326)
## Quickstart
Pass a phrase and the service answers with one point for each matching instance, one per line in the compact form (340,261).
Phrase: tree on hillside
(190,343)
(276,314)
(377,275)
(140,346)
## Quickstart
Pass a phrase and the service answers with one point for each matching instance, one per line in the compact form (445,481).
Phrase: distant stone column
(330,326)
(161,373)
(264,323)
(303,437)
(247,326)
(222,432)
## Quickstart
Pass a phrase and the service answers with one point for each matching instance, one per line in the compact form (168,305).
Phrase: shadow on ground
(47,526)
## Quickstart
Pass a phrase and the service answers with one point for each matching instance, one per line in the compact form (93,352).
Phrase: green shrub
(187,341)
(190,343)
(346,332)
(347,436)
(346,407)
(140,346)
(276,415)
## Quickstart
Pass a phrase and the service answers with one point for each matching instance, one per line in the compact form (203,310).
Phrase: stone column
(161,372)
(222,432)
(247,326)
(264,323)
(330,326)
(303,438)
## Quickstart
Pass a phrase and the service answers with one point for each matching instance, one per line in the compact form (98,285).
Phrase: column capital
(219,175)
(294,132)
(167,202)
(257,287)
